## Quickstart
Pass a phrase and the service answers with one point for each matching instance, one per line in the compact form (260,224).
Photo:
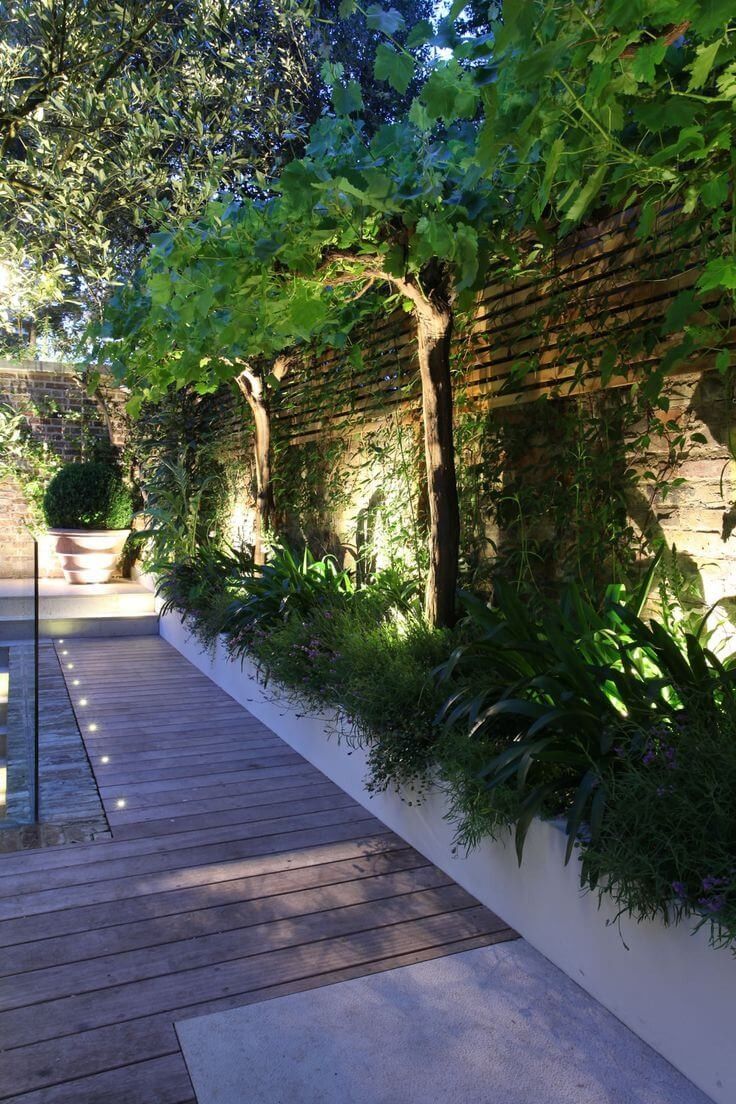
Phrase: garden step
(17,629)
(120,608)
(59,599)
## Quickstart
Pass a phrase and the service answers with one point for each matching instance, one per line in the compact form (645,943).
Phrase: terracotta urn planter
(89,555)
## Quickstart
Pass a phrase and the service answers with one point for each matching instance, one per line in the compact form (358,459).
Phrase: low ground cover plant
(202,586)
(596,715)
(364,649)
(667,844)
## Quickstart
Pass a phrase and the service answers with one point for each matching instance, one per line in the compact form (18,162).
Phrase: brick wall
(59,414)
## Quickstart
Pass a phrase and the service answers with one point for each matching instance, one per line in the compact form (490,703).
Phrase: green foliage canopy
(604,106)
(115,117)
(589,109)
(252,279)
(388,204)
(214,296)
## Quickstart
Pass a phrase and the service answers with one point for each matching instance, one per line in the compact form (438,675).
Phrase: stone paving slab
(498,1025)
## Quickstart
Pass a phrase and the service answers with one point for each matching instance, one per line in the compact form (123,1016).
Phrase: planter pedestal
(89,555)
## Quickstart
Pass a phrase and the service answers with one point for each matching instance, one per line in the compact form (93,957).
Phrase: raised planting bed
(666,984)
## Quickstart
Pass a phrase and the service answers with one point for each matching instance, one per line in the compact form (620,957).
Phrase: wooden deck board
(102,1049)
(224,882)
(208,911)
(236,873)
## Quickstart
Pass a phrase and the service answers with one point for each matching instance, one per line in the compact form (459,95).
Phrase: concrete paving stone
(499,1025)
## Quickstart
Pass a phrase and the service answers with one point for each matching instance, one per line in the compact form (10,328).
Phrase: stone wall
(692,459)
(698,516)
(66,422)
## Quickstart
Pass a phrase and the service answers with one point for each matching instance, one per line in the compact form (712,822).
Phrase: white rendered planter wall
(668,986)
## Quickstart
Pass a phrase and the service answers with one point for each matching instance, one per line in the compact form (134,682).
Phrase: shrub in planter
(88,496)
(89,510)
(288,585)
(582,691)
(375,670)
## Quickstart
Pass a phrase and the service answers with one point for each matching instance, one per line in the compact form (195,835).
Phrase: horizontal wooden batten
(601,286)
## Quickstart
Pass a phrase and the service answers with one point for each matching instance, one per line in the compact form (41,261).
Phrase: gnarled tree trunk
(434,332)
(431,299)
(434,317)
(254,387)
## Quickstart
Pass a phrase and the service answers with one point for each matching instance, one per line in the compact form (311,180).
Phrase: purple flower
(712,904)
(711,882)
(680,889)
(654,750)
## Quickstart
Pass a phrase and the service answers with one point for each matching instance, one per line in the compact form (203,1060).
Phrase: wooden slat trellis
(542,333)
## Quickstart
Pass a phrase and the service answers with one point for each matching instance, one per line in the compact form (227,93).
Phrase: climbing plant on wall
(623,107)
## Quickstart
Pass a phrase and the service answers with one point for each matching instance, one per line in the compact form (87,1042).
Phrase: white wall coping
(668,985)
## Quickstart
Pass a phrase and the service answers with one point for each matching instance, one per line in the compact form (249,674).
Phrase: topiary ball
(87,496)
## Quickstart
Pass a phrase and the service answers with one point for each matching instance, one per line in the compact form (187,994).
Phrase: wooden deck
(236,873)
